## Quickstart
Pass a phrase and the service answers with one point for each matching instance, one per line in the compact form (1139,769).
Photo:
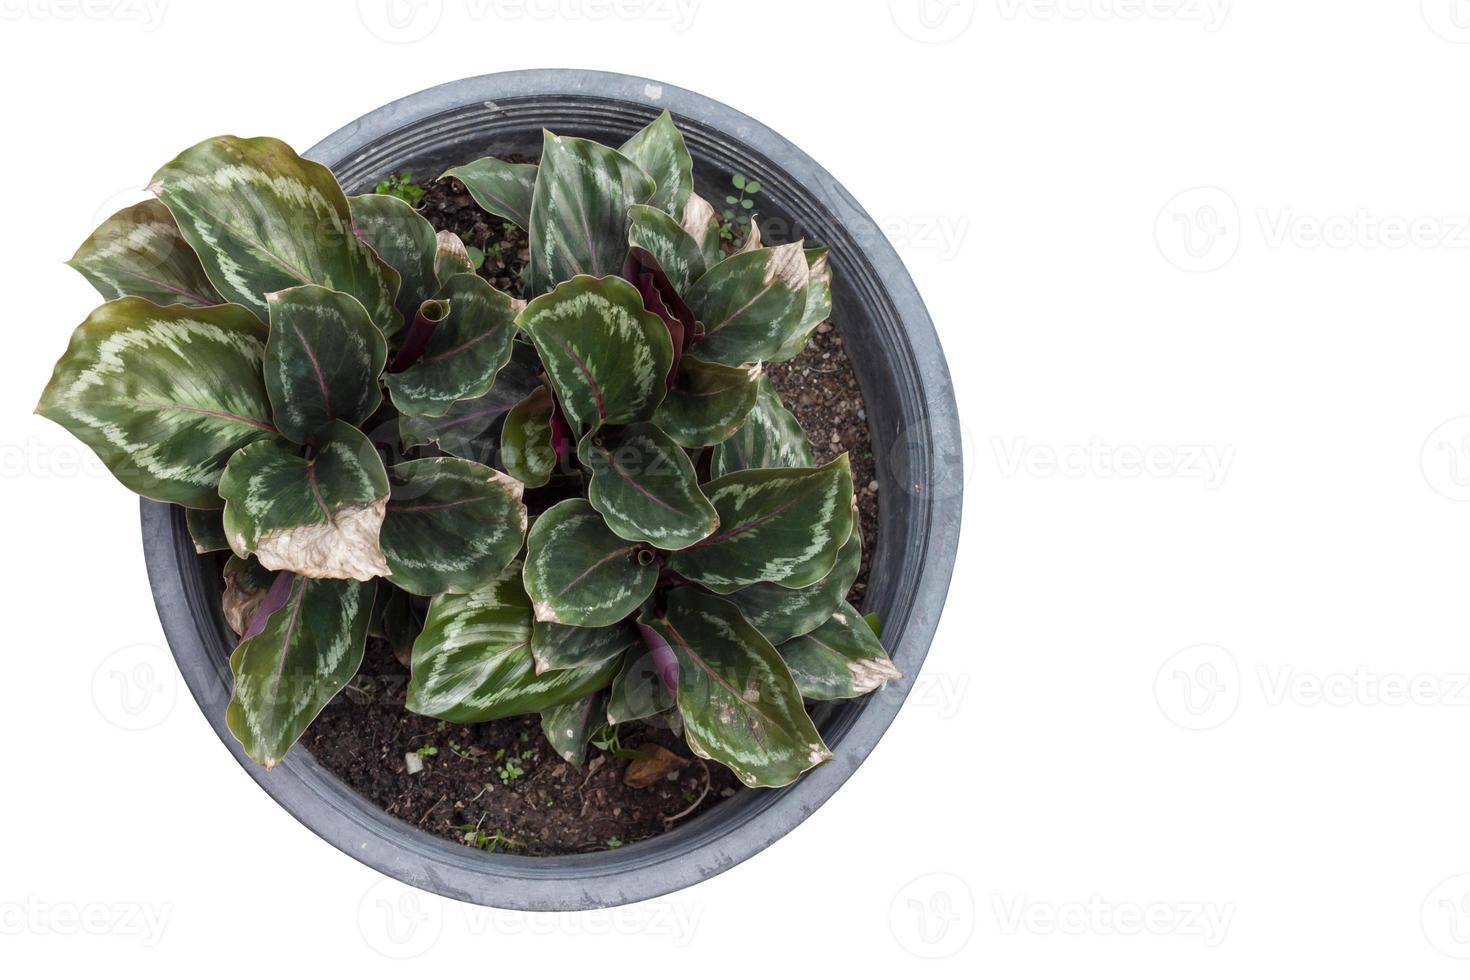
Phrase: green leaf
(569,726)
(526,451)
(472,661)
(783,526)
(750,304)
(465,352)
(658,149)
(579,573)
(139,251)
(638,691)
(644,486)
(163,395)
(708,403)
(322,361)
(818,304)
(675,250)
(503,189)
(404,239)
(207,529)
(579,212)
(469,429)
(781,613)
(752,187)
(738,180)
(319,517)
(771,438)
(451,525)
(263,219)
(739,703)
(396,620)
(284,675)
(606,356)
(246,586)
(842,658)
(557,647)
(703,225)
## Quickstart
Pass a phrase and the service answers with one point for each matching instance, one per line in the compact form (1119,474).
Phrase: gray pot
(916,440)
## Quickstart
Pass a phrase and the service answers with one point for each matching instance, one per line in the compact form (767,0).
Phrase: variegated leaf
(703,225)
(464,353)
(638,691)
(526,449)
(451,525)
(263,219)
(659,150)
(557,647)
(317,516)
(579,573)
(470,429)
(207,530)
(322,361)
(839,659)
(644,486)
(503,189)
(451,257)
(818,304)
(782,526)
(579,210)
(163,395)
(739,703)
(662,300)
(771,438)
(569,726)
(405,240)
(781,613)
(709,402)
(606,356)
(678,254)
(139,251)
(246,585)
(284,675)
(750,304)
(472,661)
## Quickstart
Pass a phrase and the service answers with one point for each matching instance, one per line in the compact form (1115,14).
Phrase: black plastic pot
(911,413)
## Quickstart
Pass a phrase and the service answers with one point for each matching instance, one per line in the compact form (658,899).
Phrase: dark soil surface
(502,776)
(499,785)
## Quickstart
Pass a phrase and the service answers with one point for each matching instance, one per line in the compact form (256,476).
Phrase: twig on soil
(670,821)
(432,809)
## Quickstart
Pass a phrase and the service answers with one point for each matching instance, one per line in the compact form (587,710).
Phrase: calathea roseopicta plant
(587,503)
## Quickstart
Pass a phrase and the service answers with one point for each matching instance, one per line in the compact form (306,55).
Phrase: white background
(1199,703)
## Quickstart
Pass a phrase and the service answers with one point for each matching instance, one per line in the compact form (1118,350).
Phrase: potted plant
(572,494)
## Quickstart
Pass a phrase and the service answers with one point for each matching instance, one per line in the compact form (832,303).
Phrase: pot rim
(701,848)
